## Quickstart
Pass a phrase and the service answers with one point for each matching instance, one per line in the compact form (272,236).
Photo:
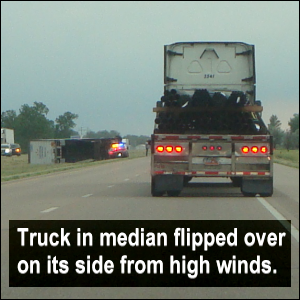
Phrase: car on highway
(118,150)
(10,149)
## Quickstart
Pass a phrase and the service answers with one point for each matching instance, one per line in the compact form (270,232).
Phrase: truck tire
(236,181)
(186,179)
(252,187)
(173,193)
(249,194)
(154,192)
(266,194)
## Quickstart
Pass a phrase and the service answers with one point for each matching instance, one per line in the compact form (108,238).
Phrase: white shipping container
(7,136)
(42,152)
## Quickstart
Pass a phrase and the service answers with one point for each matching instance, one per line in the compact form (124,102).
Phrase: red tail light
(219,148)
(245,149)
(264,149)
(178,149)
(254,149)
(204,148)
(169,149)
(160,149)
(212,148)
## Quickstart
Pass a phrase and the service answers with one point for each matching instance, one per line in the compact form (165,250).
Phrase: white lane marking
(278,216)
(126,179)
(49,209)
(87,195)
(110,186)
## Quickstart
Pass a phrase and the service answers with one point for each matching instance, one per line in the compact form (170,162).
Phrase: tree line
(32,123)
(288,139)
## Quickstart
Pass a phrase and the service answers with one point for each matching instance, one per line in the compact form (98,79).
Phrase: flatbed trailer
(209,123)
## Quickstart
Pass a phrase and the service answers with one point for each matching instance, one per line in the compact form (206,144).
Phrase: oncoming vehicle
(10,149)
(118,150)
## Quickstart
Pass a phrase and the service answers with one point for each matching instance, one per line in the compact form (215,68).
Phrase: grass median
(288,158)
(17,167)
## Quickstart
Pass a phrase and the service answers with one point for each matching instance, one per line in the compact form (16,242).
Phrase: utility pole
(82,129)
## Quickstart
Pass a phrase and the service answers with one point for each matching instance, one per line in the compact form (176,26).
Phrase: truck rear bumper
(213,173)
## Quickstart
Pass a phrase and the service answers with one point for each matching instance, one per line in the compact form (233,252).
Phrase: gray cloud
(104,60)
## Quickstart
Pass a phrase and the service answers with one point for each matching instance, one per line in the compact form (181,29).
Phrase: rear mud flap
(168,183)
(257,186)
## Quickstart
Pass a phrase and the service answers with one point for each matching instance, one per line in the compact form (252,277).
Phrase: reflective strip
(253,173)
(212,137)
(261,173)
(172,137)
(159,172)
(215,173)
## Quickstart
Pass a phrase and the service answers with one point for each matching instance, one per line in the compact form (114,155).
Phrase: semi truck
(209,123)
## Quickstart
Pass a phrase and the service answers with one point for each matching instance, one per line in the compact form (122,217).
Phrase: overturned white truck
(208,122)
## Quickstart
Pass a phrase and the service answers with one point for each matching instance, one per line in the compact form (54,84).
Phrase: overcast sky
(104,60)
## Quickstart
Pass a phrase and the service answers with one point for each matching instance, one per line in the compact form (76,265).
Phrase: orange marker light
(160,149)
(245,149)
(254,149)
(169,149)
(263,149)
(115,145)
(178,149)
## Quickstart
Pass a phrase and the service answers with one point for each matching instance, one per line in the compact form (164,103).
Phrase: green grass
(289,158)
(18,167)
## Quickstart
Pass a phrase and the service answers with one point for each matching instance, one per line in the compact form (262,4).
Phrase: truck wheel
(249,194)
(252,187)
(155,193)
(236,181)
(173,193)
(186,179)
(266,194)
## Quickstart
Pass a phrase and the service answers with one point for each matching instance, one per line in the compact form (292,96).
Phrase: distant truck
(7,136)
(126,143)
(208,122)
(52,151)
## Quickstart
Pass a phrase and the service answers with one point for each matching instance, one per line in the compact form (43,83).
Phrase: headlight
(7,150)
